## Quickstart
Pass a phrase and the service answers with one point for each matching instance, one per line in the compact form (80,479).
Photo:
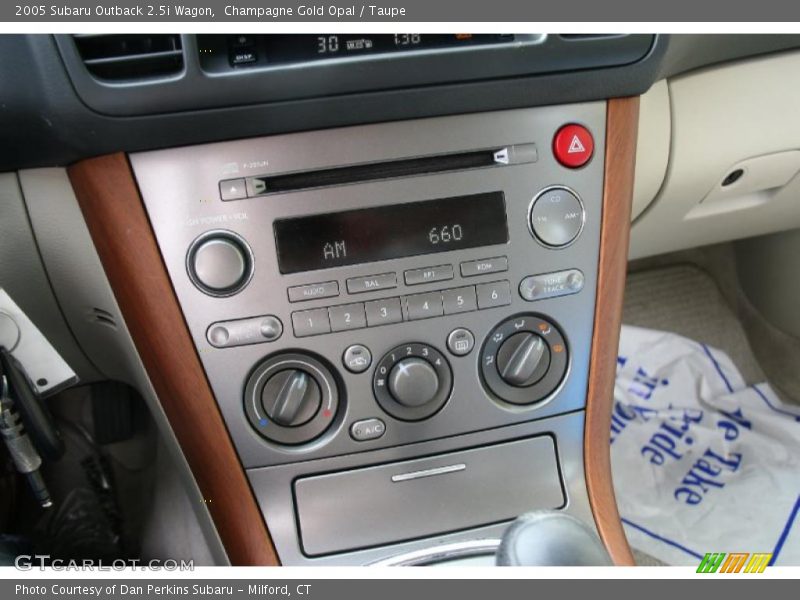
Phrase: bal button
(573,146)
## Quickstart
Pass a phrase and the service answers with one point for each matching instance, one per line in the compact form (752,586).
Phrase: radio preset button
(556,217)
(357,358)
(313,291)
(429,274)
(491,295)
(347,316)
(311,322)
(424,306)
(458,300)
(367,429)
(484,266)
(384,312)
(371,283)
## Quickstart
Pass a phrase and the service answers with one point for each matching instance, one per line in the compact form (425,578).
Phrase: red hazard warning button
(573,146)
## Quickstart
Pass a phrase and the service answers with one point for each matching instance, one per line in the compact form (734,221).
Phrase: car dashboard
(370,286)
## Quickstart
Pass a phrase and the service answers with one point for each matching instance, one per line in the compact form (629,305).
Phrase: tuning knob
(413,382)
(523,359)
(291,398)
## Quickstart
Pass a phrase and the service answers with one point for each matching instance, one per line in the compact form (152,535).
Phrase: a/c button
(367,429)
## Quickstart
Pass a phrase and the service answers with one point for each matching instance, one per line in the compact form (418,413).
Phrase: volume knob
(413,382)
(219,263)
(523,359)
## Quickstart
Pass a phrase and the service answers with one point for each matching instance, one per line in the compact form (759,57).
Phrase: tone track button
(551,285)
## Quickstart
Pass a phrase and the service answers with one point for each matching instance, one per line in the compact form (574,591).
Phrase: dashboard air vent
(129,57)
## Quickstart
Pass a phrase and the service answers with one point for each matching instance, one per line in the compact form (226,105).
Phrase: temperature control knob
(291,398)
(523,359)
(412,382)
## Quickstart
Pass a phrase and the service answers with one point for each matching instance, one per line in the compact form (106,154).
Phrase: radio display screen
(394,231)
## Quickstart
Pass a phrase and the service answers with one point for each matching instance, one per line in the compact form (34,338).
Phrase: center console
(396,320)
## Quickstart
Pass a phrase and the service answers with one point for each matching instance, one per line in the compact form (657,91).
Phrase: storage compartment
(417,498)
(734,157)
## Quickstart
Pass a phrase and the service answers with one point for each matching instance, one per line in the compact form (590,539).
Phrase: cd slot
(292,182)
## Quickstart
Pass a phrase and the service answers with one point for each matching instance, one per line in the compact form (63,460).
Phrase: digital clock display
(292,48)
(385,232)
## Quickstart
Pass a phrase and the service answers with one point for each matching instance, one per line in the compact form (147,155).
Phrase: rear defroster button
(460,341)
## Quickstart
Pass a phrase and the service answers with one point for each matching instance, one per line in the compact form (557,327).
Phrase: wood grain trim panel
(110,202)
(622,121)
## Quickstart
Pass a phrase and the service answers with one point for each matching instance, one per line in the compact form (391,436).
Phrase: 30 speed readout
(446,234)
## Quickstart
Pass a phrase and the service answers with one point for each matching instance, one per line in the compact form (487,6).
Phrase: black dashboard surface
(45,122)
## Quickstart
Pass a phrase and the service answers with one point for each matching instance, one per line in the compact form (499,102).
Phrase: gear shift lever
(551,539)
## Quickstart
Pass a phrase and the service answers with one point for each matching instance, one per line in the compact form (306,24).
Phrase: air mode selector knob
(291,398)
(413,382)
(523,359)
